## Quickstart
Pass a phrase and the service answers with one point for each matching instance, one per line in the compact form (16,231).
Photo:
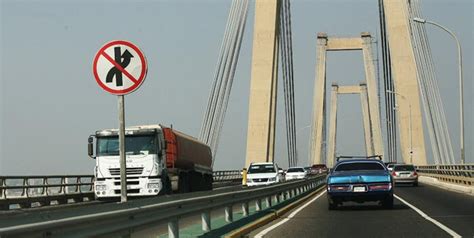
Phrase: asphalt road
(454,210)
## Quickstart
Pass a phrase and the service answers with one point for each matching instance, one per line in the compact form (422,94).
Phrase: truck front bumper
(136,186)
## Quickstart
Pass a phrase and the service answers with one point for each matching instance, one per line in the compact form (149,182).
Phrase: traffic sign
(120,67)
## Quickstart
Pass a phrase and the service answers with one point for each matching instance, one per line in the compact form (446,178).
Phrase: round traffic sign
(120,67)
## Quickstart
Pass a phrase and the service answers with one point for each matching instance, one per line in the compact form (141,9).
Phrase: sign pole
(123,162)
(119,68)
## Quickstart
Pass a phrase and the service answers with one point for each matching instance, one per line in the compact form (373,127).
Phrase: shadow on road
(371,207)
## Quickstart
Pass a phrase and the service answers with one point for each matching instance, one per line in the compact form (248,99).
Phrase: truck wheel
(166,186)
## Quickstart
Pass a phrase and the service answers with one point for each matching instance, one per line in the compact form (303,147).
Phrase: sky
(50,102)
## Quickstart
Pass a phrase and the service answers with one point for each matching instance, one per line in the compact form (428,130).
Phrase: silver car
(405,173)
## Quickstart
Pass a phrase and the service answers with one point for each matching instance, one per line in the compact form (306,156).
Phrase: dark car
(360,180)
(319,169)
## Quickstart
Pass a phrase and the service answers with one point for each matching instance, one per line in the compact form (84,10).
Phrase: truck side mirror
(90,147)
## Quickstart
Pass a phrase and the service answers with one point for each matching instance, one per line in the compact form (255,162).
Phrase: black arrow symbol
(123,60)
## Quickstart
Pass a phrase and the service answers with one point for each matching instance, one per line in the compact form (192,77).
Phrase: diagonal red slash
(119,67)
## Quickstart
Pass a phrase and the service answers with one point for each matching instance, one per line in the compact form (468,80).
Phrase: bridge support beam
(330,159)
(318,130)
(369,146)
(372,94)
(405,81)
(371,112)
(263,86)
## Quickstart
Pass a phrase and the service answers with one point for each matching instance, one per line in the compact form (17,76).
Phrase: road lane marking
(437,223)
(264,232)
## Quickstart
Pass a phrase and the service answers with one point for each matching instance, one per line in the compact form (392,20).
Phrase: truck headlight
(100,187)
(154,186)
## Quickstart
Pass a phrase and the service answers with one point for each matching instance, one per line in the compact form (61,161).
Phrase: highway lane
(454,210)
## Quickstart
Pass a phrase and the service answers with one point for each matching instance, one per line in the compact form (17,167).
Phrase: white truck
(159,160)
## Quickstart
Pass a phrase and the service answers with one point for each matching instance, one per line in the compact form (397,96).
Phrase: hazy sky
(50,102)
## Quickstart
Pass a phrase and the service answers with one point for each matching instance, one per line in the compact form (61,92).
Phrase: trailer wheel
(183,182)
(208,181)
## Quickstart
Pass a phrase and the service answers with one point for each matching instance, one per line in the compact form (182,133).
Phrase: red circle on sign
(136,82)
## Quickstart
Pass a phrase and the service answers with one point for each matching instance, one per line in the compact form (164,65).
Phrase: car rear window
(295,170)
(359,166)
(404,168)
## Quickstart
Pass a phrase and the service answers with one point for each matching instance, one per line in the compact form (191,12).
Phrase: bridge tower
(405,81)
(263,85)
(318,135)
(361,89)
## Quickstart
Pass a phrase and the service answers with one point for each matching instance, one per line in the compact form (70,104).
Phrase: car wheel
(388,202)
(332,205)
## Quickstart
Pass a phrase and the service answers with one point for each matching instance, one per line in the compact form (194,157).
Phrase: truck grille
(130,171)
(260,180)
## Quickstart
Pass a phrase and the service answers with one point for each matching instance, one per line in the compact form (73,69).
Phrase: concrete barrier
(449,186)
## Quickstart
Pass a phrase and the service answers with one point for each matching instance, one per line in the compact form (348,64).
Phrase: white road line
(437,223)
(264,232)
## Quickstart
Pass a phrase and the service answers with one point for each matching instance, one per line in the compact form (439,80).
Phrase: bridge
(403,108)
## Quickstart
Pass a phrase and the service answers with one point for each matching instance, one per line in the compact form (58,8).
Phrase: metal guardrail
(39,190)
(130,218)
(456,173)
(25,191)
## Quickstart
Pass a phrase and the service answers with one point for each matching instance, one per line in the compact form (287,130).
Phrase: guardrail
(39,190)
(456,173)
(25,191)
(131,217)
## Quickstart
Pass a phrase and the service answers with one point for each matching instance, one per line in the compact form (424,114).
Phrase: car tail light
(380,187)
(414,173)
(394,174)
(339,188)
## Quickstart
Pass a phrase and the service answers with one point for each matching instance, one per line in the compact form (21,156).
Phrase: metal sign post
(123,161)
(120,68)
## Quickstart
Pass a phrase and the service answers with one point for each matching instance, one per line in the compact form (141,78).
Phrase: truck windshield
(261,168)
(134,145)
(359,166)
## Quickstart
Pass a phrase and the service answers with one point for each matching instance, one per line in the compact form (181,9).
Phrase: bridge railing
(456,173)
(24,191)
(44,190)
(125,220)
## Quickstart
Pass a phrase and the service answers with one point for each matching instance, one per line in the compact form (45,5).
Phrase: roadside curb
(270,217)
(469,190)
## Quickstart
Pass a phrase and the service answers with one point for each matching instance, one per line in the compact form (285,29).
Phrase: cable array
(431,98)
(390,113)
(286,52)
(218,100)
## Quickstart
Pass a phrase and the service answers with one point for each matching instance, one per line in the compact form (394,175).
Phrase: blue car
(359,180)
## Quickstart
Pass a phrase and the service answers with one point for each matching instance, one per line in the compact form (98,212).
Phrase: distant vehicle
(295,173)
(319,169)
(159,160)
(405,173)
(263,173)
(359,180)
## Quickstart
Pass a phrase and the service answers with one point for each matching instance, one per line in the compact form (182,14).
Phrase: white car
(296,173)
(263,174)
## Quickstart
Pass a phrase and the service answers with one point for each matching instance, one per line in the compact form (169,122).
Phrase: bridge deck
(454,210)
